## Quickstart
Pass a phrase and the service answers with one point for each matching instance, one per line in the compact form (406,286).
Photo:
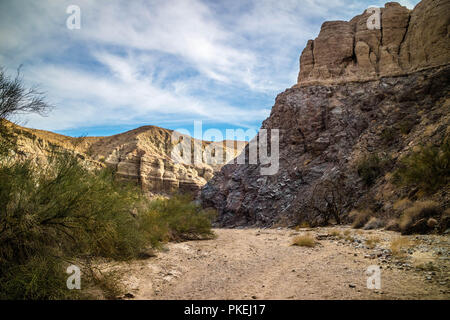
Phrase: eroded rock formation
(354,84)
(142,155)
(406,41)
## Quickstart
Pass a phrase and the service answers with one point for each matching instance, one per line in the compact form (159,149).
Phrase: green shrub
(405,126)
(388,135)
(180,218)
(64,212)
(427,168)
(371,167)
(40,277)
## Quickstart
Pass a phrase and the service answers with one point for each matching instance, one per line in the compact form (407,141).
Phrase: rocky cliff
(142,155)
(399,42)
(360,93)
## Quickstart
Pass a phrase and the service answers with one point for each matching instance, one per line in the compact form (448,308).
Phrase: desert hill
(142,155)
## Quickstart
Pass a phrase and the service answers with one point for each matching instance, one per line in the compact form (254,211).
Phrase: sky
(161,62)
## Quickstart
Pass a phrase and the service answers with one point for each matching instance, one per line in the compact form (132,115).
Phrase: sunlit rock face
(404,41)
(143,156)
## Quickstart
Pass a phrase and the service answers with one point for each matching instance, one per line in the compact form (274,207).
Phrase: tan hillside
(142,155)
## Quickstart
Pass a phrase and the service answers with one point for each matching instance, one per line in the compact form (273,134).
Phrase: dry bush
(336,234)
(398,245)
(419,210)
(392,225)
(403,204)
(304,241)
(445,221)
(374,223)
(303,225)
(349,238)
(372,242)
(329,201)
(360,217)
(16,99)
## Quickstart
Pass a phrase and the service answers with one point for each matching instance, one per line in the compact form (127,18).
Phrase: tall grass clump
(399,246)
(360,217)
(304,241)
(419,210)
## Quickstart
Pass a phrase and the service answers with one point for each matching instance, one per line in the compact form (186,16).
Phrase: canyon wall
(354,85)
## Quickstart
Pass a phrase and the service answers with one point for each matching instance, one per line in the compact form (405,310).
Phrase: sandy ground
(262,264)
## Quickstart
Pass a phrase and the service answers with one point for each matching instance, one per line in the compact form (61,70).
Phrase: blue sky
(166,63)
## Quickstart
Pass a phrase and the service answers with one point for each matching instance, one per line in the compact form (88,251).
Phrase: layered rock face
(337,116)
(143,155)
(38,145)
(401,41)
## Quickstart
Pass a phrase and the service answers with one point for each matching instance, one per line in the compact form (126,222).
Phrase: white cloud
(127,97)
(163,60)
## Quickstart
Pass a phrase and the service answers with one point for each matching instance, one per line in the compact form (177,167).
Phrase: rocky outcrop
(400,42)
(142,155)
(353,88)
(38,145)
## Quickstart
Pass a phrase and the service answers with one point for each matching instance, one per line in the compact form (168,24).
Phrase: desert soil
(263,264)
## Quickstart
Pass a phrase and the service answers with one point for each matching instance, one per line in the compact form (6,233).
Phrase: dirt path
(262,264)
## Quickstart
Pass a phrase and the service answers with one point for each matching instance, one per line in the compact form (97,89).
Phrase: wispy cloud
(162,61)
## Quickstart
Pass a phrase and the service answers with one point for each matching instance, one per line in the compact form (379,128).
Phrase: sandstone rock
(142,155)
(427,42)
(407,41)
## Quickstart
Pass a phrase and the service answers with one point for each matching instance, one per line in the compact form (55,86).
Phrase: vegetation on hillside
(66,213)
(371,167)
(427,168)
